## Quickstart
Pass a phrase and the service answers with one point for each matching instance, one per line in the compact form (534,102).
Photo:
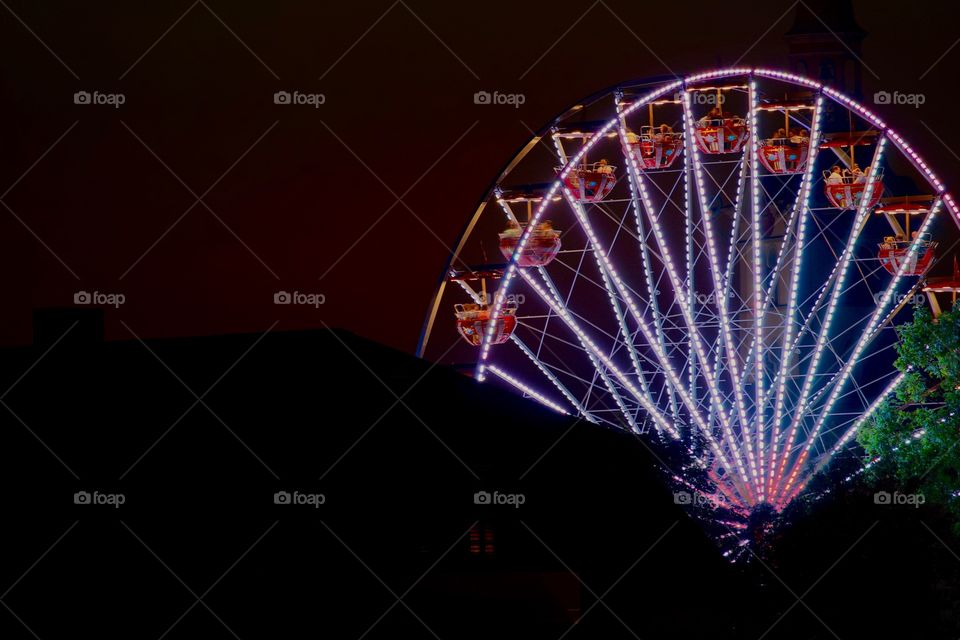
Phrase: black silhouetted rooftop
(199,434)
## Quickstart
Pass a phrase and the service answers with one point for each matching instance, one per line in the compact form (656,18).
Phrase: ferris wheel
(717,262)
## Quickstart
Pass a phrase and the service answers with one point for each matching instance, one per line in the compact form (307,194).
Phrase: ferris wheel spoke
(848,435)
(878,326)
(779,264)
(578,276)
(607,276)
(718,289)
(526,390)
(875,320)
(821,293)
(589,385)
(523,347)
(722,187)
(592,353)
(614,278)
(823,388)
(902,302)
(620,222)
(824,333)
(857,388)
(758,300)
(643,238)
(806,358)
(816,409)
(786,353)
(598,357)
(732,251)
(581,410)
(654,305)
(689,227)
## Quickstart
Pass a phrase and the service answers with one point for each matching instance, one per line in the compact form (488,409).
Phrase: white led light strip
(758,298)
(652,296)
(720,301)
(539,397)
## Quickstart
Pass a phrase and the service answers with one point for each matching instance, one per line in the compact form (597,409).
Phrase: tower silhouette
(824,43)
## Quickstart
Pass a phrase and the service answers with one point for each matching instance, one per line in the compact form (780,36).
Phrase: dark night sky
(298,210)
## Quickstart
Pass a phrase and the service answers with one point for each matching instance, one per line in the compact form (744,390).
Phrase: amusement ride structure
(716,263)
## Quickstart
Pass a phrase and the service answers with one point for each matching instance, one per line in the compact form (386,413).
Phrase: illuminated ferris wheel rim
(511,270)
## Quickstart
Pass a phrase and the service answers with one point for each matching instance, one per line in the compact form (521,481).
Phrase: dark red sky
(299,211)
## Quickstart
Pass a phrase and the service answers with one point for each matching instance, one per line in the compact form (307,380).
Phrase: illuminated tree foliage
(916,435)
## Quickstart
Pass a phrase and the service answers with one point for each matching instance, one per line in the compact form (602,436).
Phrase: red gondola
(542,246)
(895,253)
(785,155)
(655,147)
(907,209)
(787,150)
(849,139)
(721,135)
(473,321)
(943,284)
(846,191)
(590,182)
